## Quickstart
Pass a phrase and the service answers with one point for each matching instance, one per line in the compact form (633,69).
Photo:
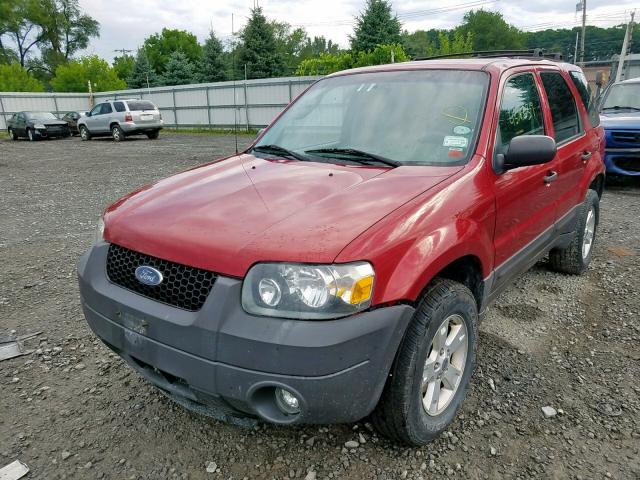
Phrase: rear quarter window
(139,105)
(586,94)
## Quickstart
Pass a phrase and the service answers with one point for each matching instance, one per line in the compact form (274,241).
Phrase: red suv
(338,267)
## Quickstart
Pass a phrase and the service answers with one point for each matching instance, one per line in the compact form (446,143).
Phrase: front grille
(182,286)
(631,138)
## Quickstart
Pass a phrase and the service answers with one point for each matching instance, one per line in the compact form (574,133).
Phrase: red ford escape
(338,267)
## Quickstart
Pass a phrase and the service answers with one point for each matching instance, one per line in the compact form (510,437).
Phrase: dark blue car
(620,117)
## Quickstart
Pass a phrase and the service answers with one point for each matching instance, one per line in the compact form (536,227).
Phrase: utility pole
(584,29)
(626,45)
(575,54)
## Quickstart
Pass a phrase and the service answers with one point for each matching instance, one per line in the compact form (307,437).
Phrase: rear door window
(520,110)
(119,106)
(139,105)
(581,83)
(566,122)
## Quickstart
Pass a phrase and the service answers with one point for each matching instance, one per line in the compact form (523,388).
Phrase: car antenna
(235,98)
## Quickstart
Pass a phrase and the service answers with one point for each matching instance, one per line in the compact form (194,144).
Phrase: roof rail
(534,53)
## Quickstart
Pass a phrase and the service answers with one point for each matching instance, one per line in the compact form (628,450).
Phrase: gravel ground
(72,409)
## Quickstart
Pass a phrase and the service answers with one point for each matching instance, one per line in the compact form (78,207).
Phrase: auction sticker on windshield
(451,141)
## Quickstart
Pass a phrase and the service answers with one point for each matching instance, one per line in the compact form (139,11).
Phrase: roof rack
(535,53)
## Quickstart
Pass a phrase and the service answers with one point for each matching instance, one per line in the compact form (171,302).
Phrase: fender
(411,245)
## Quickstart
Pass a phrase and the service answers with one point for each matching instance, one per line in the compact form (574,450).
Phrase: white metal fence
(251,103)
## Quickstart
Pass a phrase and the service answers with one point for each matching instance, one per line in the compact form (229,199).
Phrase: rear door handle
(586,156)
(551,177)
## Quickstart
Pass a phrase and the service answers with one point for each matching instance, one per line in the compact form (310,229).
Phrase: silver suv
(121,118)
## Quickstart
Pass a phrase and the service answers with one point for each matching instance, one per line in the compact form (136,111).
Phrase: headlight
(308,291)
(99,231)
(39,126)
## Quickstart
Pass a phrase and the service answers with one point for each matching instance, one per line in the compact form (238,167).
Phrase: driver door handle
(550,177)
(586,156)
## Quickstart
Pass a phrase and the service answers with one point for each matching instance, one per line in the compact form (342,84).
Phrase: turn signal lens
(362,290)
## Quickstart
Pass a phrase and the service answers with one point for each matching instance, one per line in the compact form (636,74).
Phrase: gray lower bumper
(220,355)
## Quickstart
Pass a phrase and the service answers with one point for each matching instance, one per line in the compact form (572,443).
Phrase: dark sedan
(36,125)
(72,120)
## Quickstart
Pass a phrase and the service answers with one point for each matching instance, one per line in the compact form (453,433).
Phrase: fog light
(287,402)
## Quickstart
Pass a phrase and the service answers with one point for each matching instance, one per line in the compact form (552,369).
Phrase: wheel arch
(597,184)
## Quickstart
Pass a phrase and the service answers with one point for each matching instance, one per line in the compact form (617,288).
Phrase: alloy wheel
(589,233)
(445,365)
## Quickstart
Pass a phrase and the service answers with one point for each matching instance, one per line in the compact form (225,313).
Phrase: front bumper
(224,359)
(623,161)
(51,133)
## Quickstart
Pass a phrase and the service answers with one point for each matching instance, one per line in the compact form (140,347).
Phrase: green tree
(179,70)
(67,31)
(159,47)
(258,49)
(75,75)
(123,65)
(289,43)
(327,63)
(491,32)
(212,67)
(315,47)
(24,23)
(375,26)
(14,78)
(142,75)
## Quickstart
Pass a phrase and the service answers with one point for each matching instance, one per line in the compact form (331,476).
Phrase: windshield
(40,116)
(623,96)
(425,117)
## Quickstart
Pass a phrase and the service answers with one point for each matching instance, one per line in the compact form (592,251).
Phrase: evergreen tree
(142,72)
(258,50)
(211,67)
(179,70)
(375,26)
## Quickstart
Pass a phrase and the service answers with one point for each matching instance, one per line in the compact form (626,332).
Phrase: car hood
(621,120)
(230,214)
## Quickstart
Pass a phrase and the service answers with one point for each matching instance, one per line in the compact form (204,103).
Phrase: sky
(124,24)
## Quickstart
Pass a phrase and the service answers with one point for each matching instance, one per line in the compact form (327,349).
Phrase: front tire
(12,134)
(575,258)
(117,133)
(85,135)
(31,135)
(433,366)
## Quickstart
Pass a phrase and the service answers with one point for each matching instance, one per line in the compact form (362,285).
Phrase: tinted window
(520,110)
(96,110)
(563,106)
(580,81)
(106,108)
(139,105)
(119,106)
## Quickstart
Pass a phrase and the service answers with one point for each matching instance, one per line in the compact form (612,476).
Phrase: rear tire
(117,133)
(85,135)
(153,135)
(12,134)
(429,377)
(575,258)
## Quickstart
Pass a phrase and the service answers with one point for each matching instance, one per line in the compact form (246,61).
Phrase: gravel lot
(74,410)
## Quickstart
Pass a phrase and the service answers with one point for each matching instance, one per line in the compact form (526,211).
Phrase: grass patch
(210,131)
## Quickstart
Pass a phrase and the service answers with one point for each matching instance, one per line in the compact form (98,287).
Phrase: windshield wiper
(356,155)
(618,107)
(278,150)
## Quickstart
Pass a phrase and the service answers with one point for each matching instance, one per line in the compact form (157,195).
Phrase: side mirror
(599,78)
(527,150)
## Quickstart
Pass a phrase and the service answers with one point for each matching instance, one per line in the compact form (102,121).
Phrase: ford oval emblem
(149,275)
